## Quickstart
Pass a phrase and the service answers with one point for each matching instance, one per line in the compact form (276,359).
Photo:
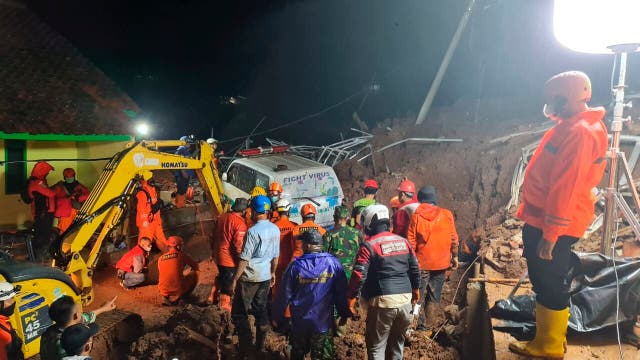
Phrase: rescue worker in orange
(408,205)
(433,236)
(308,213)
(558,204)
(173,284)
(274,193)
(70,194)
(132,266)
(225,250)
(43,207)
(287,244)
(148,217)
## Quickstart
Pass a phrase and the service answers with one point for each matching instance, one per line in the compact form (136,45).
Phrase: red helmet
(407,186)
(41,169)
(68,173)
(371,184)
(275,186)
(174,241)
(308,209)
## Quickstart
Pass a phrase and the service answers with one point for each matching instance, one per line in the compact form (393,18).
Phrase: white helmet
(283,205)
(374,214)
(211,141)
(7,291)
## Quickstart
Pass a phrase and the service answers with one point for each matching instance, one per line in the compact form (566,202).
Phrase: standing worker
(408,205)
(386,274)
(275,192)
(225,250)
(248,215)
(132,265)
(254,277)
(70,194)
(287,244)
(43,207)
(558,203)
(10,343)
(370,189)
(148,207)
(343,241)
(308,213)
(173,285)
(313,286)
(183,176)
(433,236)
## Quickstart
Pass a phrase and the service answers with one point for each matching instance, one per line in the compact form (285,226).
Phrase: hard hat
(371,184)
(311,237)
(258,190)
(283,205)
(275,186)
(374,214)
(212,141)
(394,202)
(41,169)
(566,87)
(68,173)
(427,194)
(7,291)
(308,209)
(175,241)
(184,138)
(146,175)
(407,186)
(260,204)
(241,204)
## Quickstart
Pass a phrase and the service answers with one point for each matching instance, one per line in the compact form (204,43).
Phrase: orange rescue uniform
(304,227)
(149,224)
(229,239)
(172,282)
(557,192)
(287,246)
(432,234)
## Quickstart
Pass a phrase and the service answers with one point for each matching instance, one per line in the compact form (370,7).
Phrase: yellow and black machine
(80,246)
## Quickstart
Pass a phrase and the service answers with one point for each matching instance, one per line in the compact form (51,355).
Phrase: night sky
(179,60)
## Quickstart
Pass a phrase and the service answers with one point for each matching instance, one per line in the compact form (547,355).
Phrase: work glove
(454,262)
(353,307)
(415,296)
(156,207)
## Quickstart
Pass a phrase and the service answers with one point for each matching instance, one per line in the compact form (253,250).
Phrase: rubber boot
(245,343)
(180,201)
(551,333)
(261,339)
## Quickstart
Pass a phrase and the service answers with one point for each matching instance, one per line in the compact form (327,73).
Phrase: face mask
(274,199)
(8,311)
(70,180)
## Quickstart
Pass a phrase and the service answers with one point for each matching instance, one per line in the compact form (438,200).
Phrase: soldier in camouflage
(343,241)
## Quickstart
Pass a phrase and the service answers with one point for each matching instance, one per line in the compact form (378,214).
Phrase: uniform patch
(395,247)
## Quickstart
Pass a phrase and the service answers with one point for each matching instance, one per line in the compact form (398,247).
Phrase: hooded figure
(43,207)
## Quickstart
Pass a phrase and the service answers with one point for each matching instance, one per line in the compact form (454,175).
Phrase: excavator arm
(108,201)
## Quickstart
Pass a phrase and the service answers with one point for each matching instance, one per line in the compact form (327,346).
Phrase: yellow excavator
(73,266)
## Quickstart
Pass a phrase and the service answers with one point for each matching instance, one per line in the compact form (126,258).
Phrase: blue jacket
(313,284)
(184,151)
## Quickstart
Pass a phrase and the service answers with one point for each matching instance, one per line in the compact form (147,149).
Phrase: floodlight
(142,128)
(595,26)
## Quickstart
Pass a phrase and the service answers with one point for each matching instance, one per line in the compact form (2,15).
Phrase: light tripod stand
(614,200)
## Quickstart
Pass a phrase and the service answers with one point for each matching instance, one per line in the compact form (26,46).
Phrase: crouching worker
(77,341)
(65,313)
(312,285)
(173,284)
(131,267)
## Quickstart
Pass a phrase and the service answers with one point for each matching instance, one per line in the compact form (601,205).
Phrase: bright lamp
(142,128)
(592,26)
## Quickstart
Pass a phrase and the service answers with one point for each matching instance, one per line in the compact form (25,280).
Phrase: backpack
(24,194)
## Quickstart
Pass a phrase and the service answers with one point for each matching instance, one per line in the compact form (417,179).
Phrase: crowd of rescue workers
(305,282)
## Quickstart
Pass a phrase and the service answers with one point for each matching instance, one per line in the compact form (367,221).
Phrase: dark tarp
(593,297)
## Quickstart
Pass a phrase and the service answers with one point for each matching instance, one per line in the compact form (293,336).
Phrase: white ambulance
(303,181)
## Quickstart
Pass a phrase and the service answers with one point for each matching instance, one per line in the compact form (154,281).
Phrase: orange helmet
(275,187)
(407,186)
(68,173)
(174,241)
(566,88)
(371,184)
(308,209)
(394,202)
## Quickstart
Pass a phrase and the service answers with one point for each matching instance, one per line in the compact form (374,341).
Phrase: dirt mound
(472,178)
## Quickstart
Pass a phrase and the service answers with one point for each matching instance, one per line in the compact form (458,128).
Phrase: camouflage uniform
(343,242)
(319,344)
